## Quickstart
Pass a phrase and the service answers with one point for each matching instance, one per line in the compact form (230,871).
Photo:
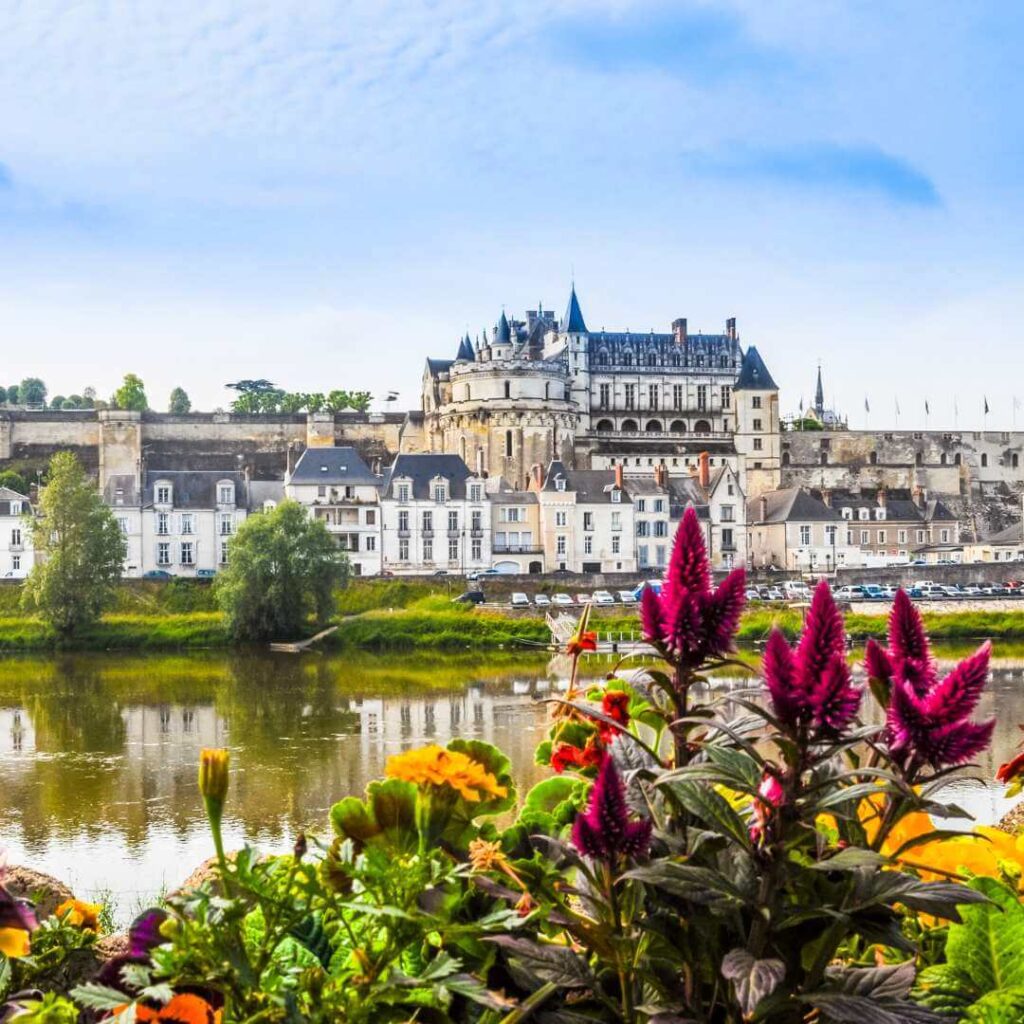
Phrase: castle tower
(573,329)
(755,398)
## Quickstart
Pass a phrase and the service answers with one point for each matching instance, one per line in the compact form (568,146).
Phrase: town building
(792,529)
(1003,546)
(587,519)
(435,517)
(16,552)
(343,493)
(516,537)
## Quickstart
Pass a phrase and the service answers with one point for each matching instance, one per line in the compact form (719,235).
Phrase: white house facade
(16,554)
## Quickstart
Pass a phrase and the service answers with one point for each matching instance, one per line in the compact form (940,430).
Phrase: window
(846,513)
(428,522)
(476,549)
(702,397)
(616,521)
(652,396)
(453,549)
(226,494)
(659,554)
(757,424)
(728,514)
(643,528)
(984,459)
(805,535)
(15,536)
(661,528)
(512,515)
(726,396)
(863,513)
(659,504)
(402,492)
(453,520)
(371,542)
(588,520)
(616,495)
(630,392)
(163,553)
(428,549)
(163,524)
(227,524)
(508,390)
(616,542)
(864,536)
(440,493)
(475,491)
(16,562)
(920,536)
(830,535)
(321,490)
(371,517)
(641,504)
(849,536)
(758,445)
(403,549)
(163,494)
(122,525)
(508,444)
(559,483)
(944,536)
(475,520)
(677,396)
(727,544)
(15,508)
(187,553)
(403,521)
(224,554)
(879,513)
(729,489)
(560,518)
(641,554)
(901,536)
(755,402)
(881,536)
(188,523)
(560,544)
(588,544)
(605,396)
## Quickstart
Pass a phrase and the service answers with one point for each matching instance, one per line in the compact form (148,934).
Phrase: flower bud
(213,774)
(301,846)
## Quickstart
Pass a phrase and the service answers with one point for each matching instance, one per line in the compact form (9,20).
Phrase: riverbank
(399,615)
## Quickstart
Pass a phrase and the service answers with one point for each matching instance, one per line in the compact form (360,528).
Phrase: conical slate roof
(572,322)
(503,335)
(754,375)
(465,350)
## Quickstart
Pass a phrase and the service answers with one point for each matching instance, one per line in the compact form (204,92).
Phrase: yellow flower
(213,774)
(14,942)
(486,856)
(79,914)
(435,766)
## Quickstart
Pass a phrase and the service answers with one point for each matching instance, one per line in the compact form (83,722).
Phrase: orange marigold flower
(213,773)
(182,1009)
(15,942)
(80,914)
(435,766)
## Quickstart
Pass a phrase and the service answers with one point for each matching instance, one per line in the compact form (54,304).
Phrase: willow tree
(79,550)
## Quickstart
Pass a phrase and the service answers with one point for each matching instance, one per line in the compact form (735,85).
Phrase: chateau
(540,389)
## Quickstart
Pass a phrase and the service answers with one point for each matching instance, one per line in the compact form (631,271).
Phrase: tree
(131,394)
(79,550)
(88,398)
(32,391)
(282,573)
(57,402)
(179,402)
(14,394)
(15,481)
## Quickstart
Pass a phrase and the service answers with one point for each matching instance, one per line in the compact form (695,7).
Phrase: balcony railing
(663,435)
(427,531)
(454,534)
(404,534)
(476,533)
(516,549)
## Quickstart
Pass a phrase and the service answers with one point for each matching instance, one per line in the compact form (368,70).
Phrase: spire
(572,322)
(754,375)
(503,334)
(465,349)
(819,396)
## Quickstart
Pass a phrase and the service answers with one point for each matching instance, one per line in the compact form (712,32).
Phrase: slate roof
(1011,535)
(754,375)
(336,466)
(436,366)
(465,350)
(503,333)
(790,505)
(572,322)
(590,485)
(7,495)
(423,469)
(899,507)
(261,491)
(513,498)
(125,483)
(194,488)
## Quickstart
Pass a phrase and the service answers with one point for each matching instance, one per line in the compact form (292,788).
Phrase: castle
(540,389)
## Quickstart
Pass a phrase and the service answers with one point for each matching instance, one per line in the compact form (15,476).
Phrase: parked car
(752,594)
(205,574)
(480,573)
(603,597)
(542,600)
(562,599)
(520,600)
(470,597)
(626,596)
(775,594)
(850,592)
(796,590)
(873,592)
(157,574)
(638,590)
(970,590)
(583,599)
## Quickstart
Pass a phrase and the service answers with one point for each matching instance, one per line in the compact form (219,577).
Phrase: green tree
(179,402)
(14,394)
(15,481)
(57,402)
(32,391)
(74,402)
(79,550)
(88,397)
(131,394)
(282,573)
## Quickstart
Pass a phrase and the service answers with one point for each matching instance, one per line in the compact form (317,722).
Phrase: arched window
(984,459)
(724,362)
(602,357)
(677,359)
(873,458)
(942,459)
(462,448)
(605,425)
(919,459)
(627,358)
(785,458)
(653,426)
(508,390)
(508,444)
(547,389)
(702,427)
(652,359)
(629,425)
(678,427)
(956,459)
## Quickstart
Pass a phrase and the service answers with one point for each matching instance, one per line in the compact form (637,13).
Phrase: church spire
(572,322)
(503,335)
(819,396)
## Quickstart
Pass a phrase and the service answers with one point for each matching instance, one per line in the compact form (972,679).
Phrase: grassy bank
(120,631)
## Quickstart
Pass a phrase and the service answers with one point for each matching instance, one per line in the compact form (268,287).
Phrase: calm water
(98,752)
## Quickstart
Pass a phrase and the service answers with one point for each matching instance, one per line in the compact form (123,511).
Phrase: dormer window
(863,514)
(880,513)
(225,493)
(616,495)
(440,492)
(402,492)
(559,483)
(847,513)
(163,494)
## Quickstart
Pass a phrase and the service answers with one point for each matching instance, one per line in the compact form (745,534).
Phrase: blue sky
(324,193)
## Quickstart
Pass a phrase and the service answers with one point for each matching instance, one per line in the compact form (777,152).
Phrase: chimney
(618,476)
(762,509)
(919,497)
(679,330)
(705,470)
(661,475)
(730,328)
(376,466)
(536,477)
(883,497)
(826,496)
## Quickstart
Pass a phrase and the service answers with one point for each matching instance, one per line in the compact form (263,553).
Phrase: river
(98,752)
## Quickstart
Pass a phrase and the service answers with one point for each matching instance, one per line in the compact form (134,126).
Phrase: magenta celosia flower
(688,622)
(604,831)
(811,685)
(927,719)
(770,795)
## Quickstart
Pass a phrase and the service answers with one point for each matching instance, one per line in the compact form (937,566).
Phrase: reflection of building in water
(17,733)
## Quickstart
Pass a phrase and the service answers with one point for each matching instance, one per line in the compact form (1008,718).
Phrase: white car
(583,599)
(603,597)
(542,600)
(562,599)
(520,600)
(627,597)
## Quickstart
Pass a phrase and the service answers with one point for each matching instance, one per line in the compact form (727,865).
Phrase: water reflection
(98,752)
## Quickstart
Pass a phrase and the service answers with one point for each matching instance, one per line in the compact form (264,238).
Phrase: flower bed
(760,857)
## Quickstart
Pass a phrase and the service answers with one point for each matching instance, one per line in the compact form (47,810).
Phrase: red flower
(614,704)
(583,642)
(1011,769)
(565,755)
(770,795)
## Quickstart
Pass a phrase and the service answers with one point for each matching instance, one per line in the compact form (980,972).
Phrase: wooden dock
(299,646)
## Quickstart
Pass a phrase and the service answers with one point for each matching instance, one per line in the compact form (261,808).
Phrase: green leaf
(98,997)
(386,818)
(988,946)
(752,979)
(945,989)
(699,884)
(711,808)
(549,794)
(548,962)
(1005,1006)
(850,859)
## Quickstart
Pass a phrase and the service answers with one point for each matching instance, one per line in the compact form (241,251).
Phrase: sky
(324,193)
